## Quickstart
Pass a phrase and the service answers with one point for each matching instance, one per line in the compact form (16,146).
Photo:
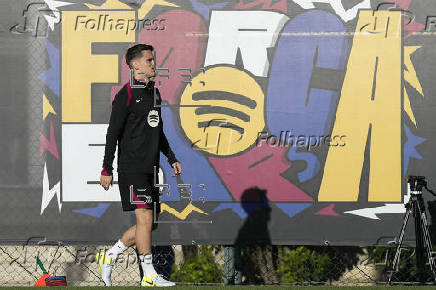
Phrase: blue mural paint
(245,209)
(289,82)
(51,77)
(196,169)
(204,9)
(410,148)
(291,209)
(94,211)
(313,165)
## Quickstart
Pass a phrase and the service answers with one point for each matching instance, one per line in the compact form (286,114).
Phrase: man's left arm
(165,148)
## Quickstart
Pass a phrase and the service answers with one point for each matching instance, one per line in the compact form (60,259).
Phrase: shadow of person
(252,253)
(255,228)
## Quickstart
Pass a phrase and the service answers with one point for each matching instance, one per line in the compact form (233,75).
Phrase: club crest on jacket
(153,118)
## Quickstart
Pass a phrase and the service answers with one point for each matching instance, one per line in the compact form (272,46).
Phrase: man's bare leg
(128,237)
(144,223)
(144,218)
(107,260)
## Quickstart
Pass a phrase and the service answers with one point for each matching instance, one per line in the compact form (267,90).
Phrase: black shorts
(137,190)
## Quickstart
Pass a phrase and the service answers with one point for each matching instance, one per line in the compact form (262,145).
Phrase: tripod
(416,206)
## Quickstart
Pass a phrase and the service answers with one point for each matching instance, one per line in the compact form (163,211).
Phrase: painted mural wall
(296,122)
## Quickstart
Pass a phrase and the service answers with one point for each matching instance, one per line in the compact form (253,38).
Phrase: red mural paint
(179,44)
(281,6)
(243,171)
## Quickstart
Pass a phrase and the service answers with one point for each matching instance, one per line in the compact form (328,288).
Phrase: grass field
(189,287)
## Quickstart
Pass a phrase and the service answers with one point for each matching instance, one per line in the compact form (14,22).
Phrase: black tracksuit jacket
(136,124)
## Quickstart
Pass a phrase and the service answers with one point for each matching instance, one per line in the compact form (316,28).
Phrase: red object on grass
(41,281)
(56,281)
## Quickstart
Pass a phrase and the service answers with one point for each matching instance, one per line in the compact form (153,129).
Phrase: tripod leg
(400,242)
(420,260)
(428,244)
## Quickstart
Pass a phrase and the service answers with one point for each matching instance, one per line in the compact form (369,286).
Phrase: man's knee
(144,216)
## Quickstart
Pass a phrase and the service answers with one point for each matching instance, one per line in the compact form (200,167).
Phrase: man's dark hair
(135,52)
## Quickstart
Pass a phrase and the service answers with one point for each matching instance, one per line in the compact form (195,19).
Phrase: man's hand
(177,168)
(105,181)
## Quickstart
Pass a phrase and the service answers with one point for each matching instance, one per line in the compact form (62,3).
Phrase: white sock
(147,264)
(116,250)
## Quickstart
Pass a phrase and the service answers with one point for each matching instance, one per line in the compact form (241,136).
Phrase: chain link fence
(199,264)
(204,264)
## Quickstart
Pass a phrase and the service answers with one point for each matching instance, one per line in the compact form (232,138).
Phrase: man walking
(136,124)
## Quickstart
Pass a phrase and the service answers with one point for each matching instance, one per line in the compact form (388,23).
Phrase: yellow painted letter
(80,68)
(370,99)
